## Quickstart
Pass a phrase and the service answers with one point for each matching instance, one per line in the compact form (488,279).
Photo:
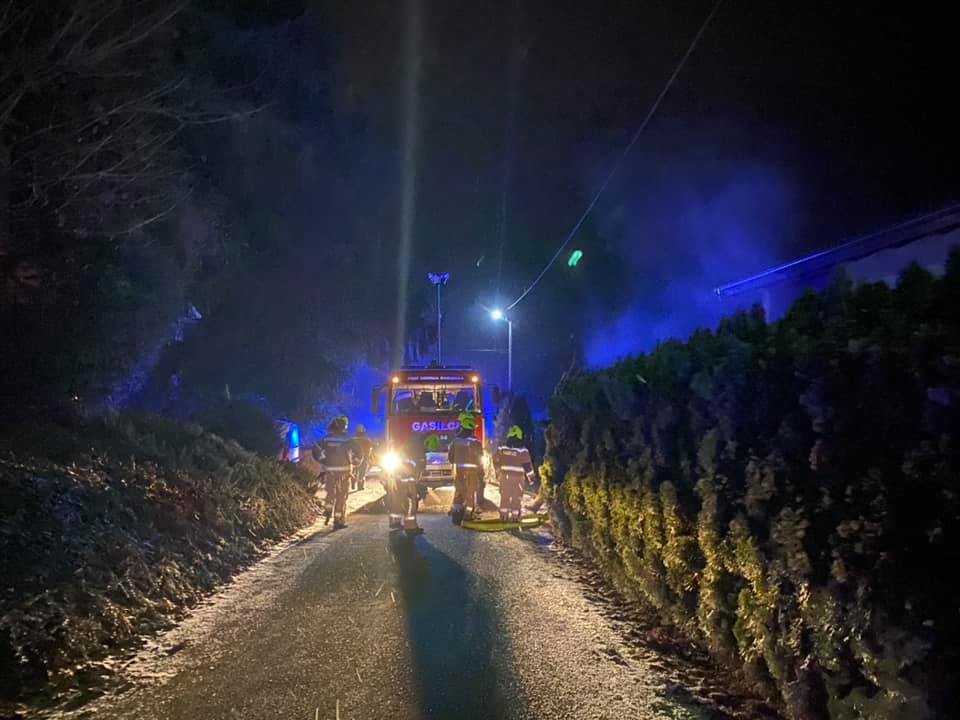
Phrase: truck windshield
(420,399)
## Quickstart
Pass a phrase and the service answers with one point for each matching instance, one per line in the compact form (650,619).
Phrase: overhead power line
(623,155)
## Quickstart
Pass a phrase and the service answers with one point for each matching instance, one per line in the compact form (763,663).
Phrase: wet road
(363,623)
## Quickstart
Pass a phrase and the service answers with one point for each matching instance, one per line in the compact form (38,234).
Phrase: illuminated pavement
(453,624)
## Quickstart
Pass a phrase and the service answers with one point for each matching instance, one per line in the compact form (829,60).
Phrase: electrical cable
(623,155)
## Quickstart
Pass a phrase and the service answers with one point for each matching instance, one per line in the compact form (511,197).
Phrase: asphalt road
(364,623)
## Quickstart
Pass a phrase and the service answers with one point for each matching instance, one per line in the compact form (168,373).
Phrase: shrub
(787,493)
(246,423)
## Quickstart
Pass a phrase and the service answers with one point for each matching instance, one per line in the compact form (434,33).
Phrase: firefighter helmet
(468,421)
(361,429)
(515,432)
(431,443)
(339,424)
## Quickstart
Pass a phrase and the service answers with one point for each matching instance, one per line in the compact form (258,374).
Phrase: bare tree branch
(156,218)
(5,16)
(206,118)
(85,36)
(95,149)
(144,162)
(138,34)
(8,105)
(82,125)
(92,127)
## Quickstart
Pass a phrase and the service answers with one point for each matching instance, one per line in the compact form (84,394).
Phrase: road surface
(364,623)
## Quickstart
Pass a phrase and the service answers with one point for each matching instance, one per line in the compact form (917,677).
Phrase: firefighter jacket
(513,460)
(363,446)
(465,453)
(336,452)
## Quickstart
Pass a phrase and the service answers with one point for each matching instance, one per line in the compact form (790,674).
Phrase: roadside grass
(112,528)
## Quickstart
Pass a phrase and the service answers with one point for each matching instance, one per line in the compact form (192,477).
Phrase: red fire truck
(426,401)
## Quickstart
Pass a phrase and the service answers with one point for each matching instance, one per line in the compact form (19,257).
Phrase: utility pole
(510,356)
(498,315)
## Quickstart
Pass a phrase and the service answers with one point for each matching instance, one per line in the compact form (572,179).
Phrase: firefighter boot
(410,526)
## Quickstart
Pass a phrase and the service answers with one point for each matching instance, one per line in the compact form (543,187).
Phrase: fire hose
(497,525)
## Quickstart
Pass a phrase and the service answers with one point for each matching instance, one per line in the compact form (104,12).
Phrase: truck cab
(420,401)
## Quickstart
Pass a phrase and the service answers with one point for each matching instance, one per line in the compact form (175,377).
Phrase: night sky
(793,126)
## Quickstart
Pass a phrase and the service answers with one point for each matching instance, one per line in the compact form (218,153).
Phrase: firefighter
(337,454)
(401,483)
(514,466)
(466,456)
(394,498)
(409,497)
(363,447)
(414,491)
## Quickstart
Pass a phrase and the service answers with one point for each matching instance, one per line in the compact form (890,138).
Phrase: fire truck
(423,401)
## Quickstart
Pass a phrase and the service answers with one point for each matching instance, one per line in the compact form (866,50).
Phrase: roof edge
(903,233)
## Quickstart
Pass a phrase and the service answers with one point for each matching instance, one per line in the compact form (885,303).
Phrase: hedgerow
(788,493)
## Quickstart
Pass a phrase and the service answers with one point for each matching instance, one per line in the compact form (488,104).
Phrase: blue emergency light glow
(294,437)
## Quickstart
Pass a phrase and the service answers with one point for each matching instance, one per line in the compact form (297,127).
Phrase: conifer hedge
(787,493)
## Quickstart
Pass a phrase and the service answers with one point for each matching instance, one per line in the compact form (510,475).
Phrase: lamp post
(497,315)
(438,279)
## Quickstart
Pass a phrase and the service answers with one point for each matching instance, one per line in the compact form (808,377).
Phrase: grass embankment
(110,529)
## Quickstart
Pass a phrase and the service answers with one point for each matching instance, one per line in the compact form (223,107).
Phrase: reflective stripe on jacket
(511,459)
(363,446)
(465,452)
(336,452)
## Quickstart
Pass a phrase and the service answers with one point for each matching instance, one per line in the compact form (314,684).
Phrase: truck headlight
(390,461)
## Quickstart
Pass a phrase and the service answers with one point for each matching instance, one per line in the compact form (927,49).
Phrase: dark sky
(792,126)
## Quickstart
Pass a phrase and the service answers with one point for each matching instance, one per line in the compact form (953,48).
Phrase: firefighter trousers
(393,500)
(402,502)
(409,503)
(511,493)
(358,479)
(338,487)
(466,489)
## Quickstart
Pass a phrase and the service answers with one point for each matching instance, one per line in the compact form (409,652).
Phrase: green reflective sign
(575,258)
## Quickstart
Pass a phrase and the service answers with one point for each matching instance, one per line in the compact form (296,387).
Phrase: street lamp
(438,279)
(497,315)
